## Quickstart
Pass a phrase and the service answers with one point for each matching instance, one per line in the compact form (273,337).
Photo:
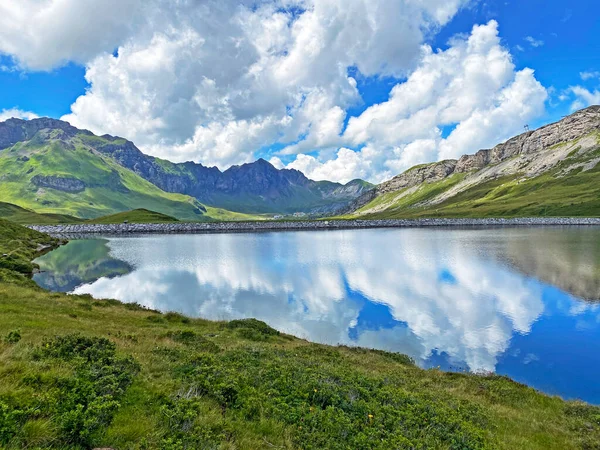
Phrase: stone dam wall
(227,227)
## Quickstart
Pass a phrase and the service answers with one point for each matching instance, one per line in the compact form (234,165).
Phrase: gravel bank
(224,227)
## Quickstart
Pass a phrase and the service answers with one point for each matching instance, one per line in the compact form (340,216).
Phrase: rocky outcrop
(65,184)
(17,130)
(427,173)
(570,128)
(532,147)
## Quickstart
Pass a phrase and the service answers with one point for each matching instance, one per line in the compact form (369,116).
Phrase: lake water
(522,302)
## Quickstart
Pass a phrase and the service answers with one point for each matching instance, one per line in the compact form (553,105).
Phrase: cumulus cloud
(223,82)
(217,81)
(17,114)
(42,34)
(589,75)
(472,89)
(584,97)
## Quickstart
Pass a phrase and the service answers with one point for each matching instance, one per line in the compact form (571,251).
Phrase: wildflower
(315,390)
(370,416)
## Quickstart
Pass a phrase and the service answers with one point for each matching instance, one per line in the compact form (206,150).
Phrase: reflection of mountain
(415,291)
(569,261)
(78,262)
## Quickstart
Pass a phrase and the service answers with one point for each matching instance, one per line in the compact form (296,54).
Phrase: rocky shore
(225,227)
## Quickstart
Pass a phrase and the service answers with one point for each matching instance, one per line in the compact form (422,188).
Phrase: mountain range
(48,165)
(551,171)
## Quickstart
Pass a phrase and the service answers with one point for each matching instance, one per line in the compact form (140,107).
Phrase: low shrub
(252,329)
(331,406)
(79,405)
(13,337)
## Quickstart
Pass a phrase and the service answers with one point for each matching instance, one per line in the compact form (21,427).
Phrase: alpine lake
(519,301)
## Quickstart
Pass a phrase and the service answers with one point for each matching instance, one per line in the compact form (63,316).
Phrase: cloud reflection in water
(411,291)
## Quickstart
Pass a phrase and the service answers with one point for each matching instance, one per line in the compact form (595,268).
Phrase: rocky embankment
(225,227)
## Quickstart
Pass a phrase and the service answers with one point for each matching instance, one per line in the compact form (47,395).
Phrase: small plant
(13,337)
(156,318)
(176,317)
(252,329)
(190,338)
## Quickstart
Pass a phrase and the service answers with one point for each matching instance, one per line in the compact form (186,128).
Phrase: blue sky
(207,110)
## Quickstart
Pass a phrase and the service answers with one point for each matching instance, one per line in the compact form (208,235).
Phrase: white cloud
(42,34)
(215,81)
(535,43)
(589,75)
(346,166)
(472,87)
(17,114)
(276,162)
(584,97)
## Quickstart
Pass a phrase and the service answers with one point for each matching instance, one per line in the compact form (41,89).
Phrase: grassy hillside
(565,190)
(79,373)
(109,188)
(134,216)
(25,216)
(545,196)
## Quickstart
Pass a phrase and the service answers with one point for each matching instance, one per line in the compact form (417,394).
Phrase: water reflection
(566,259)
(446,297)
(78,262)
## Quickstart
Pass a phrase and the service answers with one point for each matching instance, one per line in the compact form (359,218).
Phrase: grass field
(17,214)
(134,216)
(80,373)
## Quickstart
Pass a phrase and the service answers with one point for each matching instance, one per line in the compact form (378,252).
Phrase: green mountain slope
(57,171)
(99,175)
(552,171)
(134,216)
(17,214)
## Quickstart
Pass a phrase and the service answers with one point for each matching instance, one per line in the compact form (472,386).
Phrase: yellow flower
(315,390)
(370,416)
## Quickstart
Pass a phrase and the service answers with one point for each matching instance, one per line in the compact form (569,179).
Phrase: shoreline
(226,227)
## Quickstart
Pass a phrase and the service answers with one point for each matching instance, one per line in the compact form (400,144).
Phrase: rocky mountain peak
(18,130)
(255,187)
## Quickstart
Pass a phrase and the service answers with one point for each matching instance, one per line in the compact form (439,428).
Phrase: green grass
(25,216)
(574,195)
(79,373)
(135,216)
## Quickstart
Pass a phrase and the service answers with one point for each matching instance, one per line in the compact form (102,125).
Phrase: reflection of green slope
(78,262)
(567,260)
